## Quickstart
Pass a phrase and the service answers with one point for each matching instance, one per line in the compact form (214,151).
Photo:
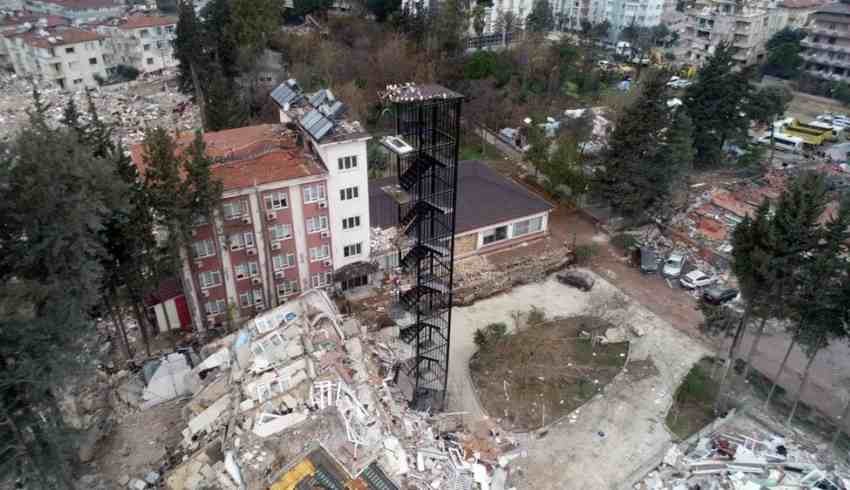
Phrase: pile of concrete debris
(746,455)
(302,393)
(151,101)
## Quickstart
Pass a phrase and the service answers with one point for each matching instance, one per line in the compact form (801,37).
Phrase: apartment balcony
(828,76)
(825,60)
(835,48)
(823,31)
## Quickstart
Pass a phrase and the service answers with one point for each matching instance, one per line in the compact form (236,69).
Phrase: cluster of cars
(673,267)
(836,120)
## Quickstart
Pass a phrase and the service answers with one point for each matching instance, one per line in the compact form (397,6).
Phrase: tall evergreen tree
(716,103)
(541,18)
(254,21)
(647,153)
(223,106)
(55,199)
(220,37)
(188,48)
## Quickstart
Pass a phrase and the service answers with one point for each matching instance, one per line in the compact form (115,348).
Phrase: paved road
(679,308)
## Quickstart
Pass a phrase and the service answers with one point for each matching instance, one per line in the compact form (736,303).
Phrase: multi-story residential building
(270,236)
(794,13)
(574,12)
(79,10)
(141,41)
(711,22)
(21,21)
(641,13)
(67,56)
(340,145)
(827,45)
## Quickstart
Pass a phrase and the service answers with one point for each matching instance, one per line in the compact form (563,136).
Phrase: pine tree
(254,21)
(223,107)
(55,199)
(647,153)
(220,37)
(188,48)
(540,19)
(716,102)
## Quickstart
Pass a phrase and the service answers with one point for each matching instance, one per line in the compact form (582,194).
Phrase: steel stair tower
(426,147)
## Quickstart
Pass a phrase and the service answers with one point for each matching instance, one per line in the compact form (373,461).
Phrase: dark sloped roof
(838,8)
(484,198)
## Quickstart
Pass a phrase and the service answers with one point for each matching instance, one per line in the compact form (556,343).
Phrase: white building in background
(642,13)
(83,11)
(69,57)
(141,41)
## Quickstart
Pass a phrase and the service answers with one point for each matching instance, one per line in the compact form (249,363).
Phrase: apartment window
(352,250)
(239,241)
(159,45)
(276,200)
(347,163)
(209,279)
(200,220)
(203,248)
(321,280)
(280,232)
(146,47)
(496,234)
(78,81)
(92,61)
(234,209)
(313,193)
(247,269)
(280,262)
(287,287)
(69,50)
(215,307)
(532,225)
(258,296)
(317,224)
(351,222)
(320,253)
(149,61)
(143,33)
(349,193)
(245,299)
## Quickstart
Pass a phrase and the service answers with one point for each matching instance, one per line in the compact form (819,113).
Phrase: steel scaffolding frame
(428,121)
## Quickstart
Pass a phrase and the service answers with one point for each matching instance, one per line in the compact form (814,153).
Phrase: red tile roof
(730,203)
(712,229)
(83,4)
(249,156)
(142,21)
(57,36)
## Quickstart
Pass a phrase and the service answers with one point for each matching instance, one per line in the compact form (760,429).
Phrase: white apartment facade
(80,11)
(142,41)
(711,22)
(69,57)
(641,13)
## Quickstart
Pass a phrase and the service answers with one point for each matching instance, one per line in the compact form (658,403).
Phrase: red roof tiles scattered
(57,36)
(142,21)
(249,156)
(730,203)
(712,229)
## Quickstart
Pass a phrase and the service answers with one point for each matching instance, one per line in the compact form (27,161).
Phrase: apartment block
(66,56)
(141,41)
(827,45)
(623,13)
(711,22)
(340,146)
(574,12)
(80,11)
(21,21)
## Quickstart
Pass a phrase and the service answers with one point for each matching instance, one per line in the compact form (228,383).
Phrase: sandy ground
(630,415)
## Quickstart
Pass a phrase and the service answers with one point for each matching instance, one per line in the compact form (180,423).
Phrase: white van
(783,142)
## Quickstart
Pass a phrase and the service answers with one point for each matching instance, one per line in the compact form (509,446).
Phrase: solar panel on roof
(322,128)
(284,94)
(317,98)
(316,124)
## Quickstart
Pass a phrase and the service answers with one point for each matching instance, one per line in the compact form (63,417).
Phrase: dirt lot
(544,372)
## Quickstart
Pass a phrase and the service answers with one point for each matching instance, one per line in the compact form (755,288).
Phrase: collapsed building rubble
(302,393)
(742,453)
(151,101)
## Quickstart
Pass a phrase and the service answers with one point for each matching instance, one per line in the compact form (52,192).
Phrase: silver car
(673,265)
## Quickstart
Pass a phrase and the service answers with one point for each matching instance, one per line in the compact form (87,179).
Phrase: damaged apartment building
(303,397)
(294,211)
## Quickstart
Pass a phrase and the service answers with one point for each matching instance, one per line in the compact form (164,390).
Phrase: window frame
(287,264)
(281,226)
(281,198)
(322,225)
(353,250)
(494,232)
(349,193)
(351,222)
(208,244)
(347,163)
(313,193)
(242,205)
(313,252)
(211,274)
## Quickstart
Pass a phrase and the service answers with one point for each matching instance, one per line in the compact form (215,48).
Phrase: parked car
(648,261)
(697,279)
(673,265)
(718,295)
(576,279)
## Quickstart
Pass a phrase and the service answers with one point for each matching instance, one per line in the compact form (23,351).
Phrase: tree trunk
(118,321)
(837,432)
(779,373)
(754,347)
(731,357)
(802,388)
(772,148)
(140,318)
(199,95)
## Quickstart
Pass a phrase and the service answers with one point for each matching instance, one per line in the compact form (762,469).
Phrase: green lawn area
(471,148)
(693,405)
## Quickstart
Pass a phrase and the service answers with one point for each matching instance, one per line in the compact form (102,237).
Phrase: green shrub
(496,330)
(585,253)
(479,337)
(623,241)
(536,316)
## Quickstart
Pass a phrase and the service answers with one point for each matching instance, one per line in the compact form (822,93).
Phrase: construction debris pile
(744,455)
(132,107)
(304,393)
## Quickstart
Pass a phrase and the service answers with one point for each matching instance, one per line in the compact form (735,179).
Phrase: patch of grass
(539,374)
(474,148)
(623,241)
(693,404)
(585,253)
